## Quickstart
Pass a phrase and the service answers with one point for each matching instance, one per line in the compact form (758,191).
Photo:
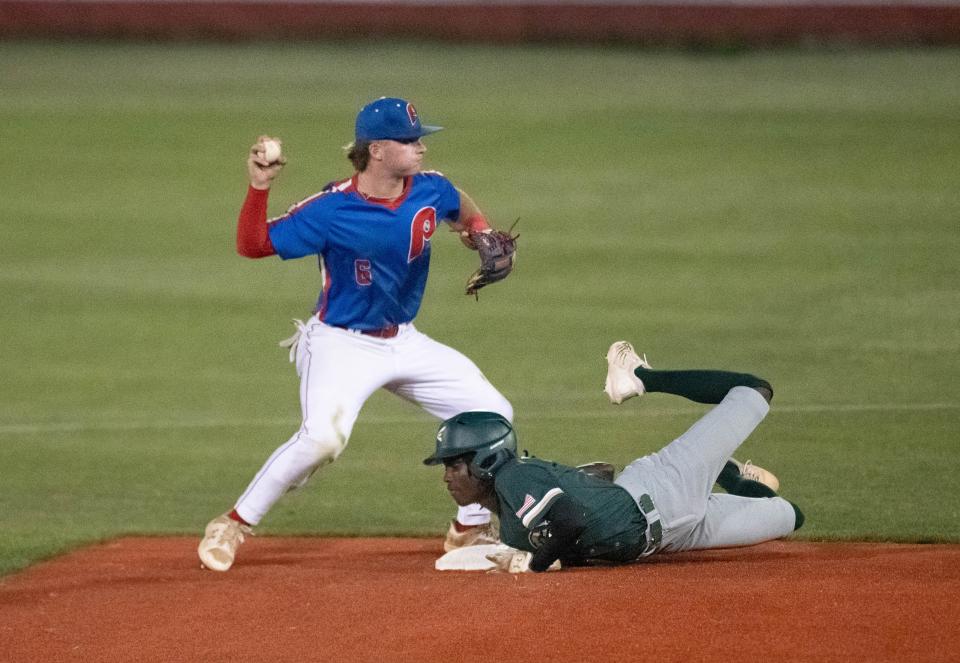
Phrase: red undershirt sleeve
(253,240)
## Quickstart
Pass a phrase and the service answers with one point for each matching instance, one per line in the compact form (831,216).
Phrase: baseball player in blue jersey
(372,234)
(551,514)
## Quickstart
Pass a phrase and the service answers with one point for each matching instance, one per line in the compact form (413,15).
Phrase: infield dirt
(330,599)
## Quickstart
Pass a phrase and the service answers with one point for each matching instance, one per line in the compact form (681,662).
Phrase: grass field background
(789,213)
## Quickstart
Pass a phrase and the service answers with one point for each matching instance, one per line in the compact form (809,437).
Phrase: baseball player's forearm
(566,525)
(471,220)
(469,211)
(253,240)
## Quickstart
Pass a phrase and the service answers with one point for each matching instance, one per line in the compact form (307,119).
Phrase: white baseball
(271,151)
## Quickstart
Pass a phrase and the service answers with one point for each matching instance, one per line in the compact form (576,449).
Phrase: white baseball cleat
(478,535)
(220,541)
(622,383)
(756,473)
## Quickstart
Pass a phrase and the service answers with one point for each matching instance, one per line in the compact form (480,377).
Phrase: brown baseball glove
(498,251)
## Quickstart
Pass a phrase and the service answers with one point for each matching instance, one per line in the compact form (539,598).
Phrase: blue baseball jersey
(374,254)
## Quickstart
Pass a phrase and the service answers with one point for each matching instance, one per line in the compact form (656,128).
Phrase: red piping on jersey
(330,188)
(253,240)
(390,203)
(322,311)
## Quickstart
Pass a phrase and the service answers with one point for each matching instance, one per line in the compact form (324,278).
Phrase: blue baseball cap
(390,118)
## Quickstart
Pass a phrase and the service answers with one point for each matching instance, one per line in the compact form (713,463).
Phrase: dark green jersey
(527,487)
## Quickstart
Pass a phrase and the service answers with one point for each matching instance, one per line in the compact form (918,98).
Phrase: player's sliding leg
(731,521)
(701,386)
(747,480)
(630,375)
(743,479)
(680,476)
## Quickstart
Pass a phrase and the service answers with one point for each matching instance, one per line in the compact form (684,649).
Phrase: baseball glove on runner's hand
(498,250)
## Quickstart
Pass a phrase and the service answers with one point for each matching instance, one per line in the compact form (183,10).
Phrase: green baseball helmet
(487,435)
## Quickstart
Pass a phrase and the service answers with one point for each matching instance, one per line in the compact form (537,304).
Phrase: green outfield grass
(794,214)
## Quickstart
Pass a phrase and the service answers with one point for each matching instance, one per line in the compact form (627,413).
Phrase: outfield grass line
(80,427)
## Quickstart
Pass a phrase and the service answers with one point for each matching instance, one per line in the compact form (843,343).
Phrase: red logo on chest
(421,229)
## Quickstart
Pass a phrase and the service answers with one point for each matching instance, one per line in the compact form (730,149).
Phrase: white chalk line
(376,420)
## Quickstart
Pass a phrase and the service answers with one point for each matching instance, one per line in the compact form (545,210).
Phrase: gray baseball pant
(680,477)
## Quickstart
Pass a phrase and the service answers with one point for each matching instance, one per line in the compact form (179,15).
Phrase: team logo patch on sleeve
(528,502)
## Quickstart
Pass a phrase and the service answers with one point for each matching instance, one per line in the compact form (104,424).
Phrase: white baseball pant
(339,370)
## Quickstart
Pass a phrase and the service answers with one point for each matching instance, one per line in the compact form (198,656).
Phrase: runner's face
(462,486)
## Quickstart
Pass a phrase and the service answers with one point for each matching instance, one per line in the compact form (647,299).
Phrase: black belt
(651,537)
(650,534)
(654,530)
